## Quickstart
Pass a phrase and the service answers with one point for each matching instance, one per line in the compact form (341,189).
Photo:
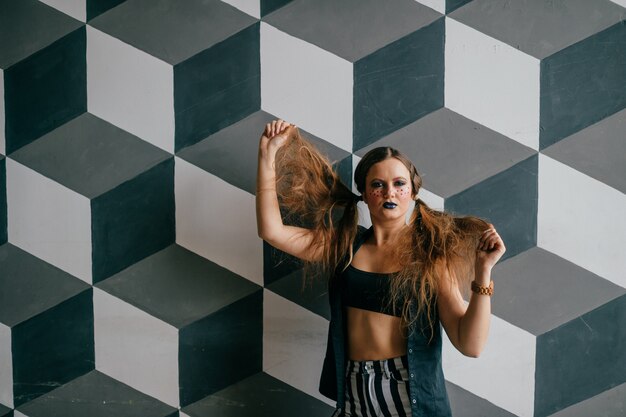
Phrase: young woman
(391,286)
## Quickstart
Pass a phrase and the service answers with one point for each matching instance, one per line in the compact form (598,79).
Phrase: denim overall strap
(336,353)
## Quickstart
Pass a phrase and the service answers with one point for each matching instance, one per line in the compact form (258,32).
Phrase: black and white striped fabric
(378,388)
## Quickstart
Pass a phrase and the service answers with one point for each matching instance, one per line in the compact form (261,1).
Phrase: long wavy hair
(312,195)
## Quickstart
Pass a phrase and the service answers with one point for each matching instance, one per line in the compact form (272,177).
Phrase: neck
(385,232)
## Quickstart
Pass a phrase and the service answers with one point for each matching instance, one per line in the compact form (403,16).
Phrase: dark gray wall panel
(310,293)
(398,84)
(90,146)
(597,150)
(451,152)
(178,286)
(452,5)
(567,291)
(581,358)
(610,403)
(268,6)
(23,272)
(540,28)
(508,200)
(3,200)
(42,357)
(344,28)
(97,395)
(45,90)
(133,220)
(583,84)
(232,153)
(466,404)
(260,395)
(217,87)
(28,26)
(277,264)
(97,7)
(232,341)
(172,30)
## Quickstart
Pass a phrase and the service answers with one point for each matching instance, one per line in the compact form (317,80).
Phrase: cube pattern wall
(132,279)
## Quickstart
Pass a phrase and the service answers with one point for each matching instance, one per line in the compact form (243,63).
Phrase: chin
(391,216)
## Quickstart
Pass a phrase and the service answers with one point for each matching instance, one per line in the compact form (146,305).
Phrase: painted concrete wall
(132,280)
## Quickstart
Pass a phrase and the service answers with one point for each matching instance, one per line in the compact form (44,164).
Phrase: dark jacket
(426,383)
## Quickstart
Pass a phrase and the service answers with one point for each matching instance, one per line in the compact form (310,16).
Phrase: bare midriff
(373,336)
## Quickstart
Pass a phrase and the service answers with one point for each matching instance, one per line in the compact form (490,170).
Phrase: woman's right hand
(274,136)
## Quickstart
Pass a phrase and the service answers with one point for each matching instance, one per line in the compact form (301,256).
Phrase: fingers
(271,139)
(489,239)
(276,127)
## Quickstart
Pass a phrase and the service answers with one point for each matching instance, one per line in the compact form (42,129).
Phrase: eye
(400,183)
(377,184)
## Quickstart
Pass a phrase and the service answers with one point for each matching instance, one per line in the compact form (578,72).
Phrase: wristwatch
(483,290)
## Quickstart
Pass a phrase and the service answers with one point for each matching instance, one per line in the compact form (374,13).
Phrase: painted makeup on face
(400,186)
(388,189)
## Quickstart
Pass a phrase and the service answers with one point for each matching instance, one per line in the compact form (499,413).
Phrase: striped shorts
(378,388)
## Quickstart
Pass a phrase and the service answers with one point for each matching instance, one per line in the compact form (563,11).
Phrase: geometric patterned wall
(132,279)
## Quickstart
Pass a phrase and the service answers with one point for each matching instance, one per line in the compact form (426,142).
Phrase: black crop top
(366,290)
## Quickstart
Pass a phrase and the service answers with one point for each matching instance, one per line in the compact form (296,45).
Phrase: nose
(389,191)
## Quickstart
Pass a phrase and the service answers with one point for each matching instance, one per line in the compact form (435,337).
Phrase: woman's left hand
(490,249)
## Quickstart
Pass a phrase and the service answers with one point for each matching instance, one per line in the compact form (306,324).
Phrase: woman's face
(388,190)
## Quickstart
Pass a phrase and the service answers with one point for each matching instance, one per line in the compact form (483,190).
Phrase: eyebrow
(394,179)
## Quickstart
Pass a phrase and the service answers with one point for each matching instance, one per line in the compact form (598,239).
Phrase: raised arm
(467,326)
(293,240)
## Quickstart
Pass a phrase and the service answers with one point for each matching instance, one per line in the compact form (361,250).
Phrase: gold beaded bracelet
(482,290)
